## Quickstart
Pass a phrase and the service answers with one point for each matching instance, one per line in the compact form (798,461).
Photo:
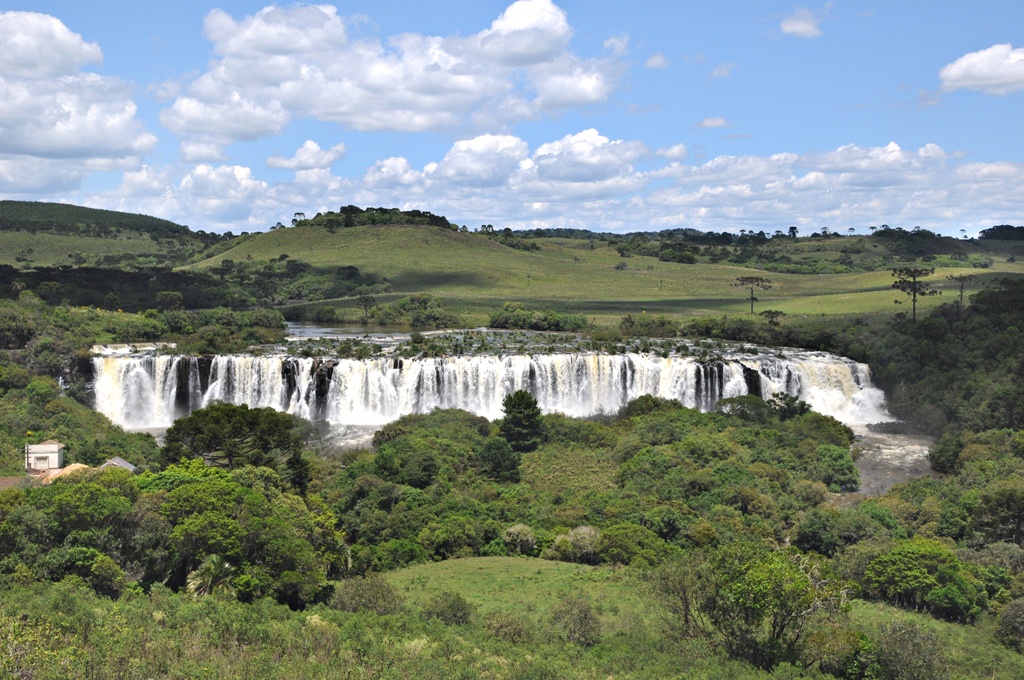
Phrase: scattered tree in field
(793,231)
(450,608)
(575,621)
(368,593)
(213,575)
(367,302)
(773,316)
(752,282)
(519,539)
(522,426)
(1010,625)
(909,282)
(962,280)
(908,652)
(755,601)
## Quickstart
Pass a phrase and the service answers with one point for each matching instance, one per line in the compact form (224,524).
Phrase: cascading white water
(140,392)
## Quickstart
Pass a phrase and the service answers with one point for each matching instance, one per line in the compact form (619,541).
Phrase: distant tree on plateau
(962,280)
(367,302)
(752,282)
(908,281)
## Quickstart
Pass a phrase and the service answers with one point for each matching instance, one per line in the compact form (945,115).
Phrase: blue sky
(596,114)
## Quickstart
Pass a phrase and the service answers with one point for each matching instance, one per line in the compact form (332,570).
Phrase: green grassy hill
(25,214)
(34,235)
(476,275)
(530,587)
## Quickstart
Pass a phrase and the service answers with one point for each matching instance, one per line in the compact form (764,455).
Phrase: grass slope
(25,249)
(475,274)
(970,650)
(530,587)
(527,585)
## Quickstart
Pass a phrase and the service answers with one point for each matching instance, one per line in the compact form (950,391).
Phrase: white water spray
(141,392)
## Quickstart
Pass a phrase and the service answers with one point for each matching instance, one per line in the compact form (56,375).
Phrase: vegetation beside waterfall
(634,545)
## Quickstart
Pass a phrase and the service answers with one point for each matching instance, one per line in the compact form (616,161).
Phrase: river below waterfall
(887,459)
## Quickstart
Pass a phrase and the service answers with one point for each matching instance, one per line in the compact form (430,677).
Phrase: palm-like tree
(213,575)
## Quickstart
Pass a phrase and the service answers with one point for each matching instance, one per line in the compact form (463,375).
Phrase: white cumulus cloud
(299,61)
(41,46)
(802,23)
(309,156)
(715,122)
(586,157)
(484,161)
(723,70)
(656,60)
(675,153)
(528,32)
(996,70)
(57,122)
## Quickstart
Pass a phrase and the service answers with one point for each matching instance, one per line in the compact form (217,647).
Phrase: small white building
(46,456)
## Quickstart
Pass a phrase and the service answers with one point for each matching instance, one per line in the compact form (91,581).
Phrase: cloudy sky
(598,114)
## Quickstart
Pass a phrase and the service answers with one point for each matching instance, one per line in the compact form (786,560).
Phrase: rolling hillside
(54,234)
(602,276)
(476,274)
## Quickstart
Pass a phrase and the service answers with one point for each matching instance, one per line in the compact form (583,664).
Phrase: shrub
(516,315)
(648,326)
(905,651)
(509,627)
(519,539)
(499,461)
(370,593)
(450,608)
(579,545)
(835,467)
(575,621)
(1010,626)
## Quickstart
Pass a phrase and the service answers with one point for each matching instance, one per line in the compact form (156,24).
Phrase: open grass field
(475,275)
(24,249)
(529,586)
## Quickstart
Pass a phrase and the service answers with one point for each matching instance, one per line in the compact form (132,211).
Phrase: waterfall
(139,391)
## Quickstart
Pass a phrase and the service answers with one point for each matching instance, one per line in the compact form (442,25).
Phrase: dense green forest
(658,542)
